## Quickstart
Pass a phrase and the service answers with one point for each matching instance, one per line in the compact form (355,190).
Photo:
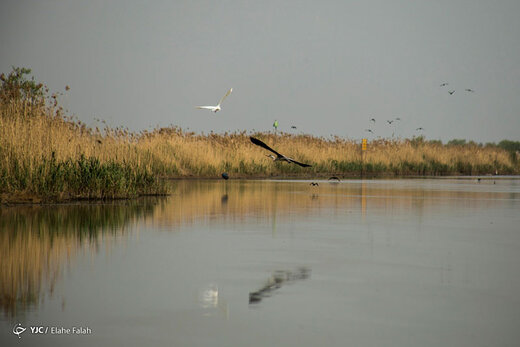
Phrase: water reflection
(277,279)
(211,302)
(37,242)
(205,202)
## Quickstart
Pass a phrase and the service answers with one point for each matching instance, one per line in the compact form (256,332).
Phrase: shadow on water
(276,281)
(38,242)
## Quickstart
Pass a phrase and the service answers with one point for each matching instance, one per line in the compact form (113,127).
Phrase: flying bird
(369,130)
(293,127)
(389,121)
(451,92)
(216,108)
(419,129)
(373,120)
(470,90)
(444,84)
(279,157)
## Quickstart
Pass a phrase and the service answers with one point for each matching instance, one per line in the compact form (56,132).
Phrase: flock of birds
(391,121)
(280,157)
(451,92)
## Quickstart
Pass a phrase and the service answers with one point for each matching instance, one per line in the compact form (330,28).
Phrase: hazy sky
(326,67)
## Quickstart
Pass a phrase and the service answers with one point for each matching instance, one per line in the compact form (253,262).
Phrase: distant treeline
(507,145)
(512,147)
(46,155)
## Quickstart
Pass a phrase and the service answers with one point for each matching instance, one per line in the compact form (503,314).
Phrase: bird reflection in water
(224,200)
(209,296)
(210,302)
(276,281)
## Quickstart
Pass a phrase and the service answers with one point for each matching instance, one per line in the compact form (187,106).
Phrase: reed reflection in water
(236,201)
(209,265)
(37,242)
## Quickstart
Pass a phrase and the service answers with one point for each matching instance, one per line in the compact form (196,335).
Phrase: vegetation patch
(48,155)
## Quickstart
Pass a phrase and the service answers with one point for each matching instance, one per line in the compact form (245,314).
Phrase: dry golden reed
(46,153)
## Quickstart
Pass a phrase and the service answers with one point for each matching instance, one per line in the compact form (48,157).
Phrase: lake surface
(409,262)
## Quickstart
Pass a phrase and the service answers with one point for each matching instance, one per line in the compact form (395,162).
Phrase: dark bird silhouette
(369,130)
(276,281)
(451,92)
(314,184)
(419,129)
(389,121)
(279,157)
(225,175)
(444,84)
(293,127)
(373,120)
(470,90)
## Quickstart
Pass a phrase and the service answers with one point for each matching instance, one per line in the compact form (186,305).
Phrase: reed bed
(46,155)
(181,154)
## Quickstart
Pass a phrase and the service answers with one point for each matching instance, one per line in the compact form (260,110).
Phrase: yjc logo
(18,330)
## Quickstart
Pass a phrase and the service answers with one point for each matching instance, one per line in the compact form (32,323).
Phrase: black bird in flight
(373,120)
(293,127)
(369,130)
(470,90)
(444,84)
(419,129)
(451,92)
(389,121)
(279,157)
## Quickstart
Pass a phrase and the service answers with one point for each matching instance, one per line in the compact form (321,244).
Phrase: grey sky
(323,66)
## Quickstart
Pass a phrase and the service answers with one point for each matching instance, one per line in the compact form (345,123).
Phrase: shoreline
(25,199)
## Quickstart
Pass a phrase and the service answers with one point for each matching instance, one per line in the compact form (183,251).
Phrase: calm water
(269,263)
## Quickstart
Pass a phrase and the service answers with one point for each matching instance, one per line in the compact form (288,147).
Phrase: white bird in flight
(216,108)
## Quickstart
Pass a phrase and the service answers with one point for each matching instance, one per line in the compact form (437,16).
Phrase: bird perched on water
(217,108)
(279,157)
(451,92)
